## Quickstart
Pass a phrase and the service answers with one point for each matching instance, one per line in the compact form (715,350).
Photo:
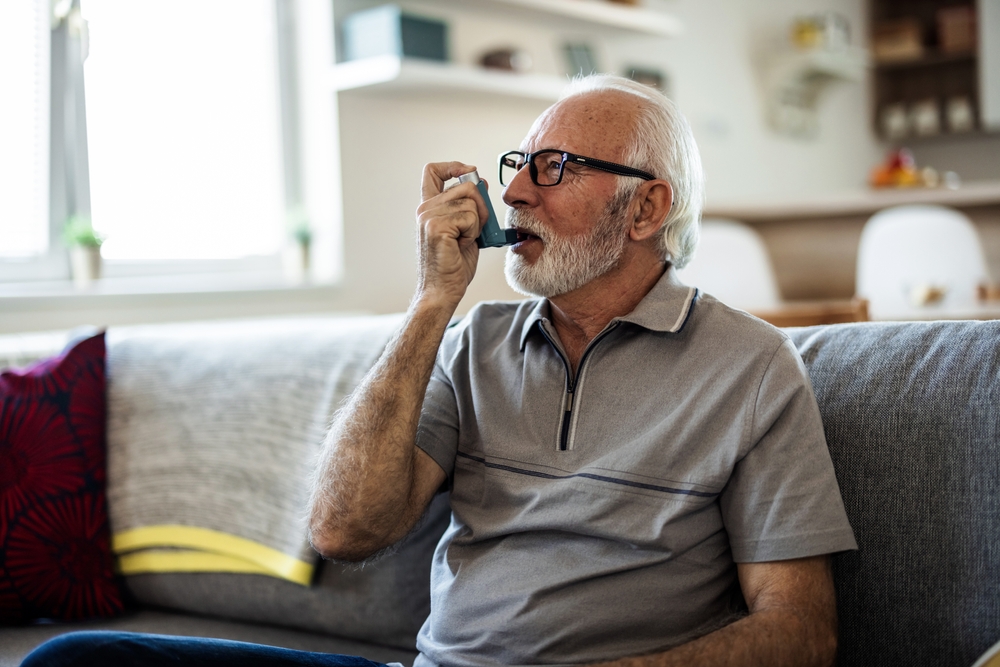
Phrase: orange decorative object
(898,171)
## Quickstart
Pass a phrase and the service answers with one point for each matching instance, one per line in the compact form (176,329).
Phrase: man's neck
(579,316)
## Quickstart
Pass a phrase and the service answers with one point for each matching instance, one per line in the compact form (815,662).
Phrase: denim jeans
(131,649)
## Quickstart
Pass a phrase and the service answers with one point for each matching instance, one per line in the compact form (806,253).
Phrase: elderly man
(638,473)
(612,448)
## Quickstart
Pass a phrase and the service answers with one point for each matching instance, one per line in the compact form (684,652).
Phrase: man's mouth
(524,235)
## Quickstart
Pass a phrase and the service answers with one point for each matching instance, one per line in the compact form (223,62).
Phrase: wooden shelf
(794,81)
(945,136)
(934,74)
(848,64)
(860,202)
(927,61)
(391,74)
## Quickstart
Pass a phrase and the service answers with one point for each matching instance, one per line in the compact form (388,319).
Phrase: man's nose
(520,191)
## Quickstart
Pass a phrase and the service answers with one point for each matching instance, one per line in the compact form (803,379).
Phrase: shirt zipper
(572,384)
(566,420)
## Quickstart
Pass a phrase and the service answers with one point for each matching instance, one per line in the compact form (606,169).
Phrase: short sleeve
(782,500)
(437,431)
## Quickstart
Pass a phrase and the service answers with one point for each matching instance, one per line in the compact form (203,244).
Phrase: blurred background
(237,158)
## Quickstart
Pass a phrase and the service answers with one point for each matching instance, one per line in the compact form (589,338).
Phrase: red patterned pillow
(55,545)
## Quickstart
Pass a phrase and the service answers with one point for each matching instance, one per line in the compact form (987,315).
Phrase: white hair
(662,144)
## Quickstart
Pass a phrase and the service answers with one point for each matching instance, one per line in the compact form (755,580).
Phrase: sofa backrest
(215,425)
(912,419)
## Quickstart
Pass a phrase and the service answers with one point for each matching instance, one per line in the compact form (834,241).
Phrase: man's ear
(651,206)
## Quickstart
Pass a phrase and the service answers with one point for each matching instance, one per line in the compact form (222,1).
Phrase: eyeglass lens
(510,164)
(546,167)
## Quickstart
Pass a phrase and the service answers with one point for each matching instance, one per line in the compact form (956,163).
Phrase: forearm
(771,638)
(364,491)
(372,484)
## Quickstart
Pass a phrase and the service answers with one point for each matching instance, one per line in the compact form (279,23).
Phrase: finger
(466,191)
(436,173)
(471,220)
(458,192)
(455,219)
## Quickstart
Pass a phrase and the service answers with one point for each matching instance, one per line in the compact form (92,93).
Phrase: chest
(638,415)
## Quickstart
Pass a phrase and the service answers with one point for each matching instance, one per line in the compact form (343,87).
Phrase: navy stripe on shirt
(587,475)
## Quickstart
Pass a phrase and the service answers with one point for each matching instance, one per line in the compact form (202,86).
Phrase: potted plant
(84,249)
(297,253)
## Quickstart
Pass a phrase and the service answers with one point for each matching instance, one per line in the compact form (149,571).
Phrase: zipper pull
(567,418)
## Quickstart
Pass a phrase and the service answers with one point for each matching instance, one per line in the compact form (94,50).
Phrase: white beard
(568,263)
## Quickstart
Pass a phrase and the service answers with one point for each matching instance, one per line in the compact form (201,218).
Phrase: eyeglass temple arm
(613,168)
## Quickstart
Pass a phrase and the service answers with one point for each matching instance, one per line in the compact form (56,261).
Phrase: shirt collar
(665,308)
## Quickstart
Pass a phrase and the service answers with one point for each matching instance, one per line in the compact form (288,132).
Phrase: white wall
(713,69)
(384,142)
(717,68)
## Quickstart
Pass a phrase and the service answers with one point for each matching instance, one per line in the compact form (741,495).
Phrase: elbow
(323,542)
(329,533)
(331,545)
(341,543)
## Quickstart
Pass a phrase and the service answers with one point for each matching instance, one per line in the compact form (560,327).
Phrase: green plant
(78,231)
(298,226)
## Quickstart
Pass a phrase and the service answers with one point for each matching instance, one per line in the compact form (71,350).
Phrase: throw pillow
(55,547)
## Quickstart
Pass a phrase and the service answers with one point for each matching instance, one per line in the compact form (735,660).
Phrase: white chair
(732,264)
(919,261)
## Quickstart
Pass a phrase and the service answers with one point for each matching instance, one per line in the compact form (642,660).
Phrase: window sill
(111,288)
(55,305)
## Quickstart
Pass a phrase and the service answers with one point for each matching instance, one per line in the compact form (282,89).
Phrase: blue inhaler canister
(492,236)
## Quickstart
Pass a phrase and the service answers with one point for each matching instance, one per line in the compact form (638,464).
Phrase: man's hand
(792,622)
(373,483)
(448,222)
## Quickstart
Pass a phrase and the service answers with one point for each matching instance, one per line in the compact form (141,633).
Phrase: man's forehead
(596,121)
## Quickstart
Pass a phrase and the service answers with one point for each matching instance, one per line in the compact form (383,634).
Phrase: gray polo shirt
(600,516)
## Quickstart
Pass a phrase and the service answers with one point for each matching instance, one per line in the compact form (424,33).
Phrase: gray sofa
(912,417)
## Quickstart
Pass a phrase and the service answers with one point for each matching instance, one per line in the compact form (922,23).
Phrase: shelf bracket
(796,81)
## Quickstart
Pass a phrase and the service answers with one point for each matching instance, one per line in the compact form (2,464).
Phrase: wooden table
(813,241)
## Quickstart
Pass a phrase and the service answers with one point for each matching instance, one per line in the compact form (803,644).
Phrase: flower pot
(296,261)
(86,264)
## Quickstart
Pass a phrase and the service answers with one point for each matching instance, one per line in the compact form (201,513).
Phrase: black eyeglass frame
(529,159)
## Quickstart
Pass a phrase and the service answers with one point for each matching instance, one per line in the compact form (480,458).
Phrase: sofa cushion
(55,552)
(216,425)
(213,430)
(385,602)
(913,425)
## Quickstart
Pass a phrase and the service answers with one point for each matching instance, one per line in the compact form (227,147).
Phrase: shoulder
(719,326)
(728,343)
(488,324)
(767,355)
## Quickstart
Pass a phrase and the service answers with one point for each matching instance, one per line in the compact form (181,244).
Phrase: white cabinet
(392,74)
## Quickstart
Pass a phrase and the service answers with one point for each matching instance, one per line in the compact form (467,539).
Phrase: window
(184,129)
(175,125)
(24,131)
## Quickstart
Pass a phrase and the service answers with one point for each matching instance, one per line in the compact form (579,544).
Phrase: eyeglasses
(546,166)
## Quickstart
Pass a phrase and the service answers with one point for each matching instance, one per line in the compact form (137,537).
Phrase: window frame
(69,177)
